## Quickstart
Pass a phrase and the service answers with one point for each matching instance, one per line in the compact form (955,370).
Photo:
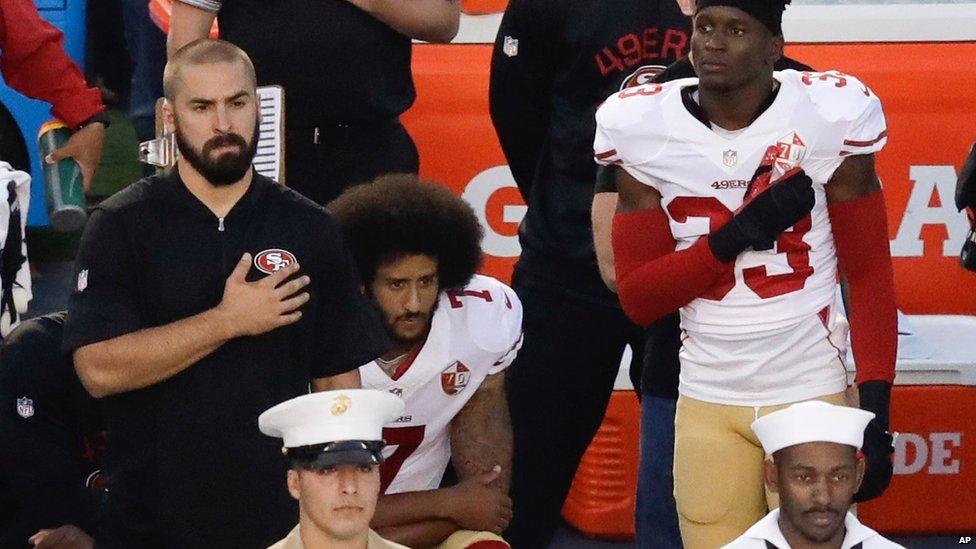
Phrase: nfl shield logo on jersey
(730,158)
(510,46)
(82,280)
(25,407)
(455,378)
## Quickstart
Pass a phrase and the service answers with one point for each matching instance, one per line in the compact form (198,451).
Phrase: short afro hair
(398,215)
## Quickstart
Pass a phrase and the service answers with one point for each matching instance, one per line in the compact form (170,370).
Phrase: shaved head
(201,52)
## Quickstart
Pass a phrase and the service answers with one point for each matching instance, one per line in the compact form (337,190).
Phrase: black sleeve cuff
(102,118)
(606,180)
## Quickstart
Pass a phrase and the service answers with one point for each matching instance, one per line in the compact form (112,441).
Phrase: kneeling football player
(417,247)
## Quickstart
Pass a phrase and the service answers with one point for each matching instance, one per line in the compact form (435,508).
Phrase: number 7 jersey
(815,121)
(475,332)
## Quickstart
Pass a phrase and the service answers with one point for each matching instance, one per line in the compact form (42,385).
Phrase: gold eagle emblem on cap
(340,405)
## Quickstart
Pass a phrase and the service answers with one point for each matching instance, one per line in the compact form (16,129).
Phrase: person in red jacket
(33,62)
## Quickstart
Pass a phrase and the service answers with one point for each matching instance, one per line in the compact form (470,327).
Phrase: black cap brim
(345,452)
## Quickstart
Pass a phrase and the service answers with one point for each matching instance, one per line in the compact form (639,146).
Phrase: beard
(823,536)
(228,167)
(390,323)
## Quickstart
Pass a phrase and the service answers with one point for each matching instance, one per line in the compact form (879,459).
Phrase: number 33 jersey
(814,122)
(474,333)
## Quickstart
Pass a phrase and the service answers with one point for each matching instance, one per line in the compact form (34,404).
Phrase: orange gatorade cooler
(933,409)
(604,493)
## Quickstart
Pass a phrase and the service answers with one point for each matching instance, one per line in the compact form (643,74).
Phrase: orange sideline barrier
(457,143)
(931,110)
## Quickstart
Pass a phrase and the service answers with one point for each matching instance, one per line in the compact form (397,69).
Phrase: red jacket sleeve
(33,62)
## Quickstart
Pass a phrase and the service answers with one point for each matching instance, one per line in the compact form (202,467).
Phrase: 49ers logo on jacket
(455,378)
(643,75)
(273,260)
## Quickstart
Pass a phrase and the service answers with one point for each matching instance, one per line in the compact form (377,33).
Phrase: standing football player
(743,194)
(417,247)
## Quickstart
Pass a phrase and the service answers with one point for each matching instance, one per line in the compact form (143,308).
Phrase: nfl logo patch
(25,407)
(455,378)
(82,280)
(730,158)
(510,46)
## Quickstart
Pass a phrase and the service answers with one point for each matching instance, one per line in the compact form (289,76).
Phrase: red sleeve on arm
(860,230)
(34,63)
(653,279)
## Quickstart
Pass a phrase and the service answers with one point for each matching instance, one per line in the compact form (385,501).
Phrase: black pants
(345,156)
(558,389)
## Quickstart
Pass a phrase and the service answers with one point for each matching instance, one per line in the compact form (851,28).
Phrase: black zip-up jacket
(553,63)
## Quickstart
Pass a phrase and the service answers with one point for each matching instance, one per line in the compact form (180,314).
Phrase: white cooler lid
(932,350)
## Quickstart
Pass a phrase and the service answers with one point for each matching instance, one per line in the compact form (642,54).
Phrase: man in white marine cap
(333,442)
(815,469)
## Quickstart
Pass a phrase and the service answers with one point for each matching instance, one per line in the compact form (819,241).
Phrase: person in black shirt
(52,432)
(553,64)
(345,68)
(191,315)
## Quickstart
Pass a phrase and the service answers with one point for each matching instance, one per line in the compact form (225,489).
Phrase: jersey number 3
(790,243)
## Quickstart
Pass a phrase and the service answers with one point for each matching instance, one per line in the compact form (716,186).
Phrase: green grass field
(119,167)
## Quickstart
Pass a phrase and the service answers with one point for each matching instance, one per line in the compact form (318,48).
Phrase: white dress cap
(331,416)
(812,421)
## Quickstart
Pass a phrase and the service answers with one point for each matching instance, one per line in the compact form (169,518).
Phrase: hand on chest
(188,275)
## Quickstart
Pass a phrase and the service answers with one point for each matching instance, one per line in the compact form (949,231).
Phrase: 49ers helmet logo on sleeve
(455,378)
(273,260)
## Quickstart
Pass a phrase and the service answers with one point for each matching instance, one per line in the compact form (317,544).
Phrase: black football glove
(760,221)
(876,397)
(760,182)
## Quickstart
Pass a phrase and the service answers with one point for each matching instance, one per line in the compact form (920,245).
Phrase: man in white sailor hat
(333,442)
(816,470)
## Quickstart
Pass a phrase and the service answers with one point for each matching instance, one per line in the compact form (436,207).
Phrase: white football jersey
(474,333)
(814,122)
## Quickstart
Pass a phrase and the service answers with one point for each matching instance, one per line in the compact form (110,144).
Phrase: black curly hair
(398,215)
